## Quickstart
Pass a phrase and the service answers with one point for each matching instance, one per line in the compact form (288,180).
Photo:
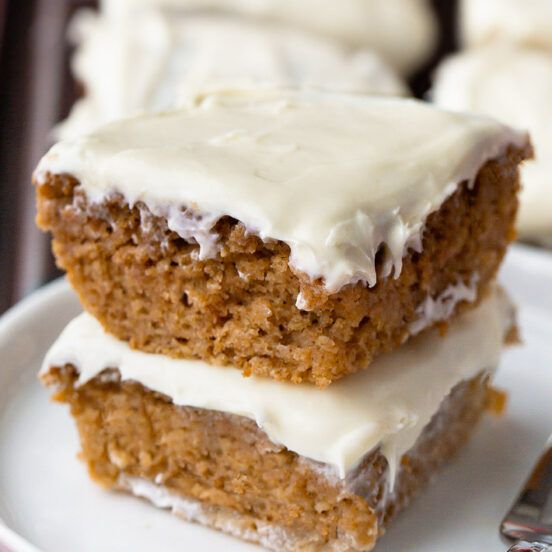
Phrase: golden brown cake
(296,235)
(300,468)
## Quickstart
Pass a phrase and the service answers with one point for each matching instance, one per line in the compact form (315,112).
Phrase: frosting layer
(334,176)
(520,21)
(514,85)
(403,31)
(179,54)
(387,405)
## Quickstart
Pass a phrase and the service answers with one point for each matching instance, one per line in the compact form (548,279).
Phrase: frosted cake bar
(289,466)
(522,22)
(296,235)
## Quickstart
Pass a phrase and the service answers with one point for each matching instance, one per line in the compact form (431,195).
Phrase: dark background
(36,91)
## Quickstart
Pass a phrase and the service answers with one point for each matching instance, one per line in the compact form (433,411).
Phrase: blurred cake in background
(338,249)
(514,85)
(181,54)
(525,22)
(506,72)
(404,32)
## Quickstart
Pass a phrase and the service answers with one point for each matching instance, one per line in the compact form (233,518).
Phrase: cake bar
(291,467)
(292,234)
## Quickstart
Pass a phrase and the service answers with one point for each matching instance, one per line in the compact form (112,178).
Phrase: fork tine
(530,547)
(526,520)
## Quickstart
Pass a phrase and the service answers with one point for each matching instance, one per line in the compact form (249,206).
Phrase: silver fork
(529,521)
(530,547)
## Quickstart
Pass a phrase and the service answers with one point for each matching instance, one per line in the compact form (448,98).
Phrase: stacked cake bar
(292,319)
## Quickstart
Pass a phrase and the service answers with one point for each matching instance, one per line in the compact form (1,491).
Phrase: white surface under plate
(48,504)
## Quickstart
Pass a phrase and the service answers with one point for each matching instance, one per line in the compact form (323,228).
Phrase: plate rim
(15,543)
(34,300)
(12,317)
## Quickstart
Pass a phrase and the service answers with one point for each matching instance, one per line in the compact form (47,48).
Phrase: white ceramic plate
(47,503)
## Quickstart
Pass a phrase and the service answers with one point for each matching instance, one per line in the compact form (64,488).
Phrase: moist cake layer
(403,31)
(179,54)
(520,21)
(386,406)
(512,84)
(221,470)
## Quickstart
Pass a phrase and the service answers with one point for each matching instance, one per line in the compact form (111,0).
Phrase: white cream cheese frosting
(519,21)
(441,308)
(178,54)
(404,32)
(334,176)
(387,405)
(514,85)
